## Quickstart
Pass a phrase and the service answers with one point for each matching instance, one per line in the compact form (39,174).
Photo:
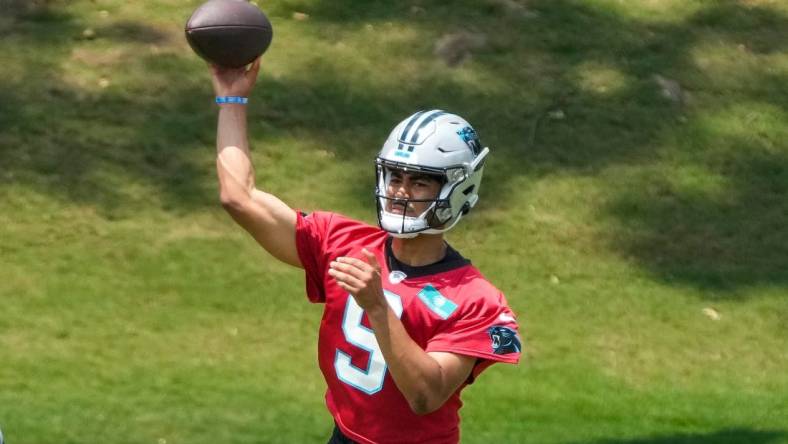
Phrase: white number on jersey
(370,380)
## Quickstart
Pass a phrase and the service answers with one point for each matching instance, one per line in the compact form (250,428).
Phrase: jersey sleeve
(485,329)
(311,236)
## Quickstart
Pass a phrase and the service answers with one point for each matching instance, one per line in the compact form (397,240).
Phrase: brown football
(229,33)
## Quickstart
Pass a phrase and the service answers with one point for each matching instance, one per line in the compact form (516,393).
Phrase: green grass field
(634,211)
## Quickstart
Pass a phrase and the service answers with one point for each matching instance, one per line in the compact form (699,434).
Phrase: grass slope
(611,215)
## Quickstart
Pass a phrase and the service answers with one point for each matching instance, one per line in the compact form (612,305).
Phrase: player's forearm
(418,376)
(233,162)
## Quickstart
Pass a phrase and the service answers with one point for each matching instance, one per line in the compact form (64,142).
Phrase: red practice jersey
(445,307)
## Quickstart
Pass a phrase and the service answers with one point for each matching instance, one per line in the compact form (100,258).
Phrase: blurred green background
(634,211)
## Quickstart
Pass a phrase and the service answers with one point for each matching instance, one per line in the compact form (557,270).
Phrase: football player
(408,322)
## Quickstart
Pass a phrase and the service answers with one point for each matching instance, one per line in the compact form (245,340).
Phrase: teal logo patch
(437,302)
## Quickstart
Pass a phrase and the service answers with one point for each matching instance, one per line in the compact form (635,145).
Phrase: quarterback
(407,322)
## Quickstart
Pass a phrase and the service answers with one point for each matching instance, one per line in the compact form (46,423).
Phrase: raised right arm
(269,220)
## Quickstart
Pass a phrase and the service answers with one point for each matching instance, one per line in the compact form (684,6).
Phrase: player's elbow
(423,405)
(233,202)
(420,407)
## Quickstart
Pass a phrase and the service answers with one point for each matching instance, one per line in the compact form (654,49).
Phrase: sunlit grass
(640,238)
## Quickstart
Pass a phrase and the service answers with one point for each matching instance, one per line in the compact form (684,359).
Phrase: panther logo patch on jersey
(504,340)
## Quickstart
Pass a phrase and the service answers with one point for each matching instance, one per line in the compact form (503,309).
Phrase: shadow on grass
(715,239)
(88,145)
(126,31)
(730,436)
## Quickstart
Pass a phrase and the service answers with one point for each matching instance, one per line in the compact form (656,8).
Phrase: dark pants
(339,438)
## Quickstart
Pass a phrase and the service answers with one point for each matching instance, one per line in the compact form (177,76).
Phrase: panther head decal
(504,340)
(469,136)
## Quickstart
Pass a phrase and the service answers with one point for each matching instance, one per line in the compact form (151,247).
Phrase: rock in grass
(513,8)
(556,114)
(457,47)
(711,313)
(671,89)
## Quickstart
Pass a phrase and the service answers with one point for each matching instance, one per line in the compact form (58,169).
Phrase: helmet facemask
(433,219)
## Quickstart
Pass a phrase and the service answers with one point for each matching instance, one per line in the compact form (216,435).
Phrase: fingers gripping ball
(229,33)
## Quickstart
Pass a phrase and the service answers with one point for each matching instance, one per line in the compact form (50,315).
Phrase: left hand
(361,279)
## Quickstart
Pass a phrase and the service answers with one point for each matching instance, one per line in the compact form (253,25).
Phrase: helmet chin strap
(402,226)
(390,220)
(427,231)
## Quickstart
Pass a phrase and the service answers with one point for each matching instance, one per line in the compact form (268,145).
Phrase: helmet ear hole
(442,211)
(440,216)
(468,190)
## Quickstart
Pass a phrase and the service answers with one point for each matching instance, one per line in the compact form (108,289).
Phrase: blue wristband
(231,99)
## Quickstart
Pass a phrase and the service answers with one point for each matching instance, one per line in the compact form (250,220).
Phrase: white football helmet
(436,143)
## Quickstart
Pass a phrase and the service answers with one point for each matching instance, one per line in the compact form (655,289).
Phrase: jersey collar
(452,260)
